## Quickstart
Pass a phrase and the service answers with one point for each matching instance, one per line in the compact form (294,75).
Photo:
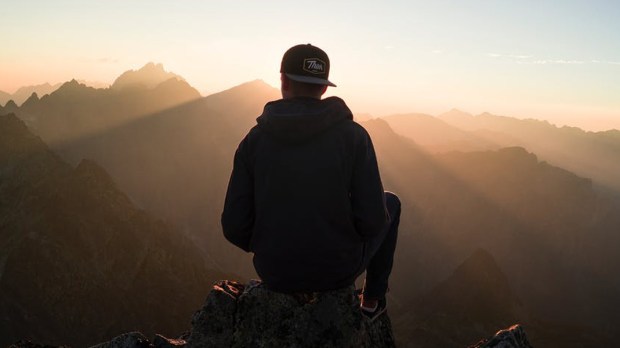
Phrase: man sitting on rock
(305,195)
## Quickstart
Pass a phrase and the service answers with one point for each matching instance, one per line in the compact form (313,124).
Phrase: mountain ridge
(79,262)
(149,76)
(474,300)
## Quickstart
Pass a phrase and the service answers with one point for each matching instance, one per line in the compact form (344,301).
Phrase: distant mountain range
(550,232)
(4,98)
(149,77)
(589,154)
(23,93)
(552,235)
(75,111)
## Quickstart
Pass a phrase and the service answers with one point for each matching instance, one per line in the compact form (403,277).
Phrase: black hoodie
(304,195)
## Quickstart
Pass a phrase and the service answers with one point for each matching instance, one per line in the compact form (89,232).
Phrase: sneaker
(374,313)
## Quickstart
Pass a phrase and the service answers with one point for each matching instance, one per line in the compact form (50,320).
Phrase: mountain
(149,76)
(75,110)
(474,300)
(166,147)
(436,135)
(4,98)
(25,92)
(78,261)
(544,225)
(589,154)
(176,163)
(10,107)
(31,101)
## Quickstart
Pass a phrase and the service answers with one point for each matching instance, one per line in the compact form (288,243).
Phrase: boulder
(512,337)
(236,315)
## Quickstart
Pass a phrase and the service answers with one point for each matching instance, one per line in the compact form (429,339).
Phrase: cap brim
(310,79)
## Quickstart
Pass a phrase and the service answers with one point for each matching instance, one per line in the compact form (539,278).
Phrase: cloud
(528,59)
(510,56)
(555,61)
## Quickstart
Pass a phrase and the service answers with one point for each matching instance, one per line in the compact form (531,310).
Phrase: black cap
(306,63)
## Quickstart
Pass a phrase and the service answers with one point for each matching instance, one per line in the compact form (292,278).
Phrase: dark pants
(379,253)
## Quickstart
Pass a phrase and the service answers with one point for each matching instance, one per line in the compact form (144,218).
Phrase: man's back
(305,194)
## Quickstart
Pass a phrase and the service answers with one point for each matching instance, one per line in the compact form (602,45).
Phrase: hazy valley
(504,220)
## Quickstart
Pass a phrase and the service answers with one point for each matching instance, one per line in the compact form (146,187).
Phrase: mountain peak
(71,88)
(149,76)
(10,106)
(480,264)
(253,86)
(478,287)
(249,94)
(32,100)
(16,139)
(25,92)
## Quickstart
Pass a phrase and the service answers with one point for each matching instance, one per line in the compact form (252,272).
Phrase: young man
(305,195)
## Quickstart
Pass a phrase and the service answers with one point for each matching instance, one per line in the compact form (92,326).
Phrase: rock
(30,344)
(512,337)
(235,315)
(163,342)
(128,340)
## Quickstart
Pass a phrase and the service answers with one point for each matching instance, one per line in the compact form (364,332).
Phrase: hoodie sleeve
(367,196)
(238,215)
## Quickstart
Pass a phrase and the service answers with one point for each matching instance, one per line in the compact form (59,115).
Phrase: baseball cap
(306,63)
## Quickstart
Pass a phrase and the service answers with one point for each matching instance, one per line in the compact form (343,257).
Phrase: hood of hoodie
(299,119)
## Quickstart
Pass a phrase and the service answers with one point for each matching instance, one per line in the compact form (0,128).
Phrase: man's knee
(392,203)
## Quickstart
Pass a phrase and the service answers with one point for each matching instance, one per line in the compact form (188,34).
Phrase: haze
(526,59)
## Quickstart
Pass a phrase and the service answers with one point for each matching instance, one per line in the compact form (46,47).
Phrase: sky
(552,60)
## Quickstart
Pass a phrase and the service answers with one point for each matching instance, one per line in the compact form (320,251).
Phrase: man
(305,195)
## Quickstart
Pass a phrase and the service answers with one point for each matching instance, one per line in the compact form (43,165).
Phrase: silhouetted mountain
(456,116)
(25,92)
(474,300)
(545,226)
(31,101)
(10,107)
(589,154)
(149,76)
(74,110)
(4,97)
(436,135)
(78,262)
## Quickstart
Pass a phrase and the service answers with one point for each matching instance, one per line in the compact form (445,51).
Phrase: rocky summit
(250,315)
(235,315)
(512,337)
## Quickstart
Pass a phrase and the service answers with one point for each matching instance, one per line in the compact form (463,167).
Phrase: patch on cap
(314,66)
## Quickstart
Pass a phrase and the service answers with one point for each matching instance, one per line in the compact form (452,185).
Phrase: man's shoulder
(352,127)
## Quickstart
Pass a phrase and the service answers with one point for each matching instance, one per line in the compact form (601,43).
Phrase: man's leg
(382,256)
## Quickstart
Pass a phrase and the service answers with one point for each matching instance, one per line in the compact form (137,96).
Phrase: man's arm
(367,196)
(238,215)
